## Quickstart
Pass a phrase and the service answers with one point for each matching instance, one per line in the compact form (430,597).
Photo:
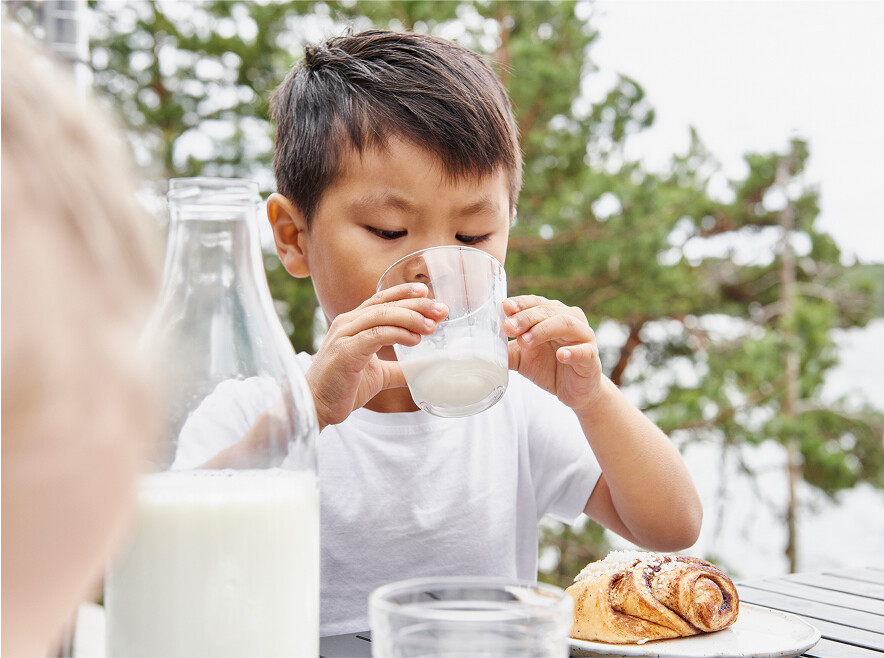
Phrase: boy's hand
(346,371)
(554,347)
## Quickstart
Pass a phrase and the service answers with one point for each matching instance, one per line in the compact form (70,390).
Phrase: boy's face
(387,204)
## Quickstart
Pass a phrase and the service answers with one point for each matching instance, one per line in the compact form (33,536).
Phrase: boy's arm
(645,492)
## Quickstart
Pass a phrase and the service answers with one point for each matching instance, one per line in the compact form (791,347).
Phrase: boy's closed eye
(472,239)
(395,235)
(386,234)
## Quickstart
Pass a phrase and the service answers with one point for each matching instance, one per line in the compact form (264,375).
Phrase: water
(749,537)
(748,532)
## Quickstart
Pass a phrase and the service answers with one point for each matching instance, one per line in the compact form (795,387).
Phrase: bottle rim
(212,191)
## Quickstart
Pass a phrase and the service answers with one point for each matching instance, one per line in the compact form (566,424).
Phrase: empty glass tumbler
(469,616)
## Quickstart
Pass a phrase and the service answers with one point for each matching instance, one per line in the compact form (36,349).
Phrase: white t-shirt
(405,495)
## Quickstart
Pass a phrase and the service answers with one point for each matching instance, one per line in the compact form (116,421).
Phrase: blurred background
(699,177)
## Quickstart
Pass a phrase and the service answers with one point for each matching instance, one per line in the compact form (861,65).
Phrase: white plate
(758,633)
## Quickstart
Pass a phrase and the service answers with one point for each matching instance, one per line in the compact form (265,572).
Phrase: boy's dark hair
(359,90)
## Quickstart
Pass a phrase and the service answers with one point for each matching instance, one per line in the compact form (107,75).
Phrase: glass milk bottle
(223,557)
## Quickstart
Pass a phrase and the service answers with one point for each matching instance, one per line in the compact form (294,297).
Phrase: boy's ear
(289,233)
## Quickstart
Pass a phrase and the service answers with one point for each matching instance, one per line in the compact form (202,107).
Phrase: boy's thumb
(393,377)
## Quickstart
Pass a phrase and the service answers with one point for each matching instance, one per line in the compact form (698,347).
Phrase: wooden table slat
(811,593)
(863,575)
(856,618)
(341,646)
(834,582)
(833,631)
(829,649)
(846,634)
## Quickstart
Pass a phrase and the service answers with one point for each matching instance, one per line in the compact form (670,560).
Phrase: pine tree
(652,254)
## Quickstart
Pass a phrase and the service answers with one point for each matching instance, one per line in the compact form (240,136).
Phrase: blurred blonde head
(79,269)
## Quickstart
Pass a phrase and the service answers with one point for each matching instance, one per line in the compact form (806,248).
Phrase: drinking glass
(469,616)
(462,367)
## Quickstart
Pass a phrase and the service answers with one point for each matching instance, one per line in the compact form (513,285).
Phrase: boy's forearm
(262,446)
(651,490)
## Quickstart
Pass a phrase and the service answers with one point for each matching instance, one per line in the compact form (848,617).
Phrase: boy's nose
(416,271)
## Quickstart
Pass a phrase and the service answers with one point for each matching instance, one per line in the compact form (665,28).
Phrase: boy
(388,143)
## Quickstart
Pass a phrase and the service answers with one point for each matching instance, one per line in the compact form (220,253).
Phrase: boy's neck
(392,400)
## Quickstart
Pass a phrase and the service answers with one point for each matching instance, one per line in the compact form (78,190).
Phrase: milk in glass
(454,383)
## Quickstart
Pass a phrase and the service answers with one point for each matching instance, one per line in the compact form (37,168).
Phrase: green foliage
(193,80)
(574,548)
(694,280)
(296,303)
(864,281)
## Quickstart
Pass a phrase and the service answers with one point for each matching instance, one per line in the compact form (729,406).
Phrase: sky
(750,76)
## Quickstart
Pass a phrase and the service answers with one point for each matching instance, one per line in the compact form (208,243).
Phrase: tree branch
(866,418)
(725,414)
(503,56)
(633,340)
(527,120)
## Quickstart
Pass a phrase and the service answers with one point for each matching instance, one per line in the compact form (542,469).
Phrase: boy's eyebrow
(484,205)
(383,200)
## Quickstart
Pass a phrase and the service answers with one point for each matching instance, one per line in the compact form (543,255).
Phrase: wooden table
(846,605)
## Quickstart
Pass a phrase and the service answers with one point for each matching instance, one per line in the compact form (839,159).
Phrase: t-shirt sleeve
(222,419)
(564,469)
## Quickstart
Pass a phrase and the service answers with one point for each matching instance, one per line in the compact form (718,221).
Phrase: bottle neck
(211,253)
(213,236)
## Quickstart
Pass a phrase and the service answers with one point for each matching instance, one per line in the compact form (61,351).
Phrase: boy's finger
(524,320)
(402,291)
(420,316)
(582,358)
(515,354)
(513,305)
(566,328)
(367,343)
